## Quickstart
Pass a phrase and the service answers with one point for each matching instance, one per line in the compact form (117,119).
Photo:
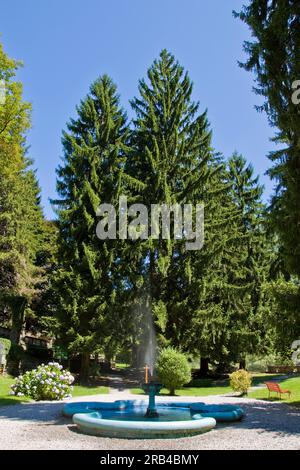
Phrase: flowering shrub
(47,382)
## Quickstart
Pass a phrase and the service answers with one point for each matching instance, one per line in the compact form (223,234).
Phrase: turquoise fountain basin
(222,413)
(126,419)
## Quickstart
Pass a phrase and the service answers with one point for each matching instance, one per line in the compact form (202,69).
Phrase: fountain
(139,419)
(151,388)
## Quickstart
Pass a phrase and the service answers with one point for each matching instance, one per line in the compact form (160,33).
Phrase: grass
(122,365)
(189,391)
(7,381)
(80,390)
(292,384)
(5,398)
(206,387)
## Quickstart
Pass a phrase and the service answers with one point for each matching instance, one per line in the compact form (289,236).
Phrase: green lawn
(205,387)
(5,398)
(290,384)
(80,391)
(189,391)
(121,365)
(7,381)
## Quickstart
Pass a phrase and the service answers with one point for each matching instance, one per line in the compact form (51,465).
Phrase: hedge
(7,344)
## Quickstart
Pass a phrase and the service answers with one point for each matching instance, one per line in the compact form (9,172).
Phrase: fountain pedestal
(152,389)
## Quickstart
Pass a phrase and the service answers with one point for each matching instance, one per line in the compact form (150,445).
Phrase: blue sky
(67,44)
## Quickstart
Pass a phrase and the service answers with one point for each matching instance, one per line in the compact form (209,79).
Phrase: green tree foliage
(282,323)
(171,154)
(209,301)
(222,315)
(40,318)
(274,57)
(248,271)
(88,279)
(21,218)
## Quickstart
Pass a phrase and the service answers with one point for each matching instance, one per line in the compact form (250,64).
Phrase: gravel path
(268,425)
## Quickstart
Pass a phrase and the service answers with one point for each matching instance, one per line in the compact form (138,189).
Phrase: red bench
(275,387)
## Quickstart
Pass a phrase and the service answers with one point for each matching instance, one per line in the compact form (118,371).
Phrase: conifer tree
(172,155)
(221,315)
(274,57)
(251,270)
(91,174)
(201,324)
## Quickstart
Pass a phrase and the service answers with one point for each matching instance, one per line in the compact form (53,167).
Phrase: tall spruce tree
(172,155)
(202,324)
(221,315)
(91,174)
(248,332)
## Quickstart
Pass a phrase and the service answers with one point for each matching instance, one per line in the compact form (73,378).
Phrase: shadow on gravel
(269,417)
(43,412)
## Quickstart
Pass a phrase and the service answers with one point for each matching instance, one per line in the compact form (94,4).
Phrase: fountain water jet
(149,337)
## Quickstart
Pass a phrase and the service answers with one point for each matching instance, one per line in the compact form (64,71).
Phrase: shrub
(173,369)
(47,382)
(7,344)
(240,381)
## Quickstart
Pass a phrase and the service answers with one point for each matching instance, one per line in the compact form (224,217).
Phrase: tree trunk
(242,364)
(204,369)
(134,355)
(18,318)
(84,368)
(18,305)
(107,363)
